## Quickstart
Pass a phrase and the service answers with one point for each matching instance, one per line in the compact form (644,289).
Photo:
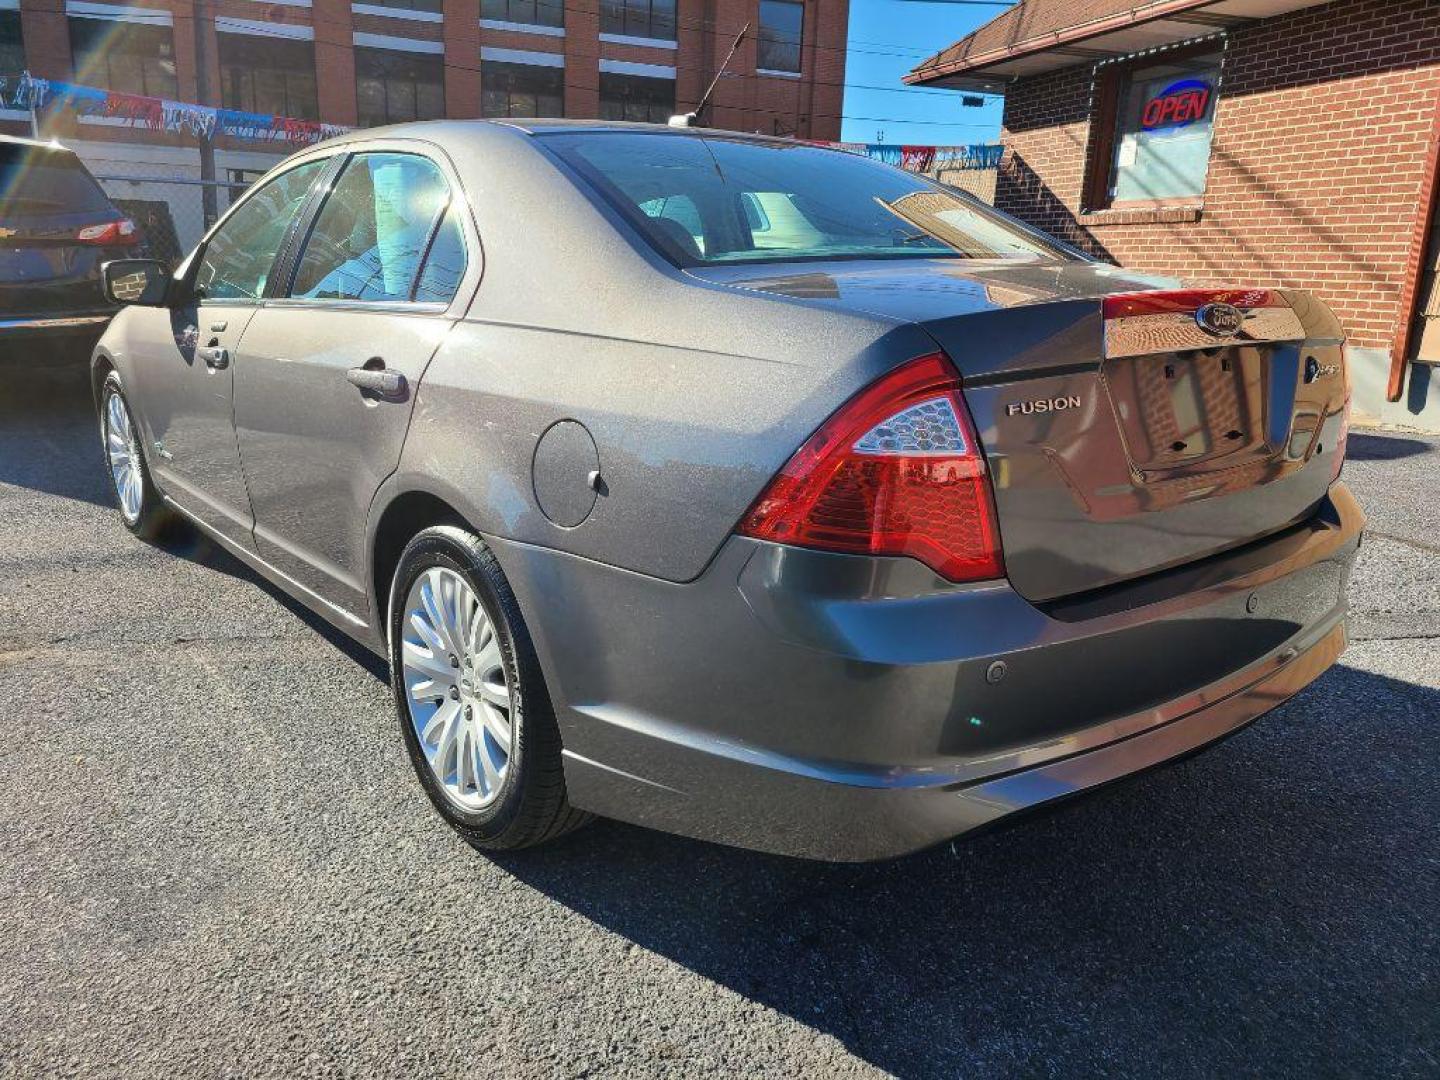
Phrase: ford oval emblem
(1222,320)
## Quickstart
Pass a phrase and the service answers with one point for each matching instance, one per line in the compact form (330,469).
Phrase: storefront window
(1164,119)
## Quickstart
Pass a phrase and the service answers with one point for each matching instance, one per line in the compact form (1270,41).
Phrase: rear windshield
(710,200)
(37,181)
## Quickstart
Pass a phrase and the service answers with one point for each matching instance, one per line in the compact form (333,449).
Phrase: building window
(1156,118)
(636,97)
(528,12)
(268,75)
(126,57)
(521,89)
(778,43)
(393,87)
(434,7)
(638,18)
(12,49)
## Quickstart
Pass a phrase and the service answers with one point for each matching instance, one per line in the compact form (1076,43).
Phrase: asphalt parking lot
(214,860)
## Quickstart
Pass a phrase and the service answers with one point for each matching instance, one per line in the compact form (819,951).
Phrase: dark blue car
(56,229)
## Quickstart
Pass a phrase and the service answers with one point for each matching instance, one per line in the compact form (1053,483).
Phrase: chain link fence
(172,212)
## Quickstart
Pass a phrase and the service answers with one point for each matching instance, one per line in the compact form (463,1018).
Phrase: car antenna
(683,120)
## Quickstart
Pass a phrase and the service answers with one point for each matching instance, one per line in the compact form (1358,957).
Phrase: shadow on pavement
(1362,447)
(49,442)
(1259,908)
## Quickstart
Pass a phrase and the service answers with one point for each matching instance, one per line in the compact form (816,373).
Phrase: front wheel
(141,507)
(474,713)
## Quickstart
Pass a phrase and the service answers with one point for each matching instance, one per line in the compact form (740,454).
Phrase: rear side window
(39,181)
(237,261)
(372,233)
(444,264)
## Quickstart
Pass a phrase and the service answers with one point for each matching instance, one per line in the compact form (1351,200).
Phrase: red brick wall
(1316,168)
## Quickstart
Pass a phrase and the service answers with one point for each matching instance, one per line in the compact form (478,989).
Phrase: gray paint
(689,666)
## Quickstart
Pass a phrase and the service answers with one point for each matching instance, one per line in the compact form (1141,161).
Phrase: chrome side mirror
(136,281)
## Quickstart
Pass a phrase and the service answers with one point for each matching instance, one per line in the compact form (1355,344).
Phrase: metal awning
(1136,29)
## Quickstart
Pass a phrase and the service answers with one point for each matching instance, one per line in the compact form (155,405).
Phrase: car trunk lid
(1123,437)
(1129,437)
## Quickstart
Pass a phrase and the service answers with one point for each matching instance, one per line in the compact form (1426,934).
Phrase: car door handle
(215,356)
(381,381)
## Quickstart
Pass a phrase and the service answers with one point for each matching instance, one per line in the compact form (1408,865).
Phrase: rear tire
(473,708)
(141,508)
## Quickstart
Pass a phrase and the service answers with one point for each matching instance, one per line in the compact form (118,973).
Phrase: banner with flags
(27,92)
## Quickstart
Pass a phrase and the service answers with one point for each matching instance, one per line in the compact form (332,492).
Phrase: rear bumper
(839,708)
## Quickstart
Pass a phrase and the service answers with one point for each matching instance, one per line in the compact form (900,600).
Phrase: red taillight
(120,233)
(896,471)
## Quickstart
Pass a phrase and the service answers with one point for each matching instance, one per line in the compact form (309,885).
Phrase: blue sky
(887,39)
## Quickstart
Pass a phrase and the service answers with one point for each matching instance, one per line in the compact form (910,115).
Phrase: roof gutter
(1118,21)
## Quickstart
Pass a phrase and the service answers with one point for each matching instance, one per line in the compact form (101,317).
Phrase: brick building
(379,61)
(1268,142)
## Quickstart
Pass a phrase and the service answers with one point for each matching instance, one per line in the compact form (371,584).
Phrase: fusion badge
(1043,405)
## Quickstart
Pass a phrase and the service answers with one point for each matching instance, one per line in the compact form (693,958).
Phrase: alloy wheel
(123,449)
(456,688)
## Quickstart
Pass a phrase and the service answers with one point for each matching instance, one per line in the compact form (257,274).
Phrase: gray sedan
(738,487)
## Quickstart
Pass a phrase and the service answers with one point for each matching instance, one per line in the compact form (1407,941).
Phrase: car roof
(449,132)
(36,144)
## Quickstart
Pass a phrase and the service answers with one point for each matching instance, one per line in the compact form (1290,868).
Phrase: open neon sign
(1178,105)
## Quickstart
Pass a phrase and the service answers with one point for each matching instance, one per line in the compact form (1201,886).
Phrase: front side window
(638,18)
(238,259)
(268,75)
(636,97)
(373,232)
(521,89)
(1164,120)
(12,47)
(705,200)
(529,12)
(395,87)
(778,42)
(126,57)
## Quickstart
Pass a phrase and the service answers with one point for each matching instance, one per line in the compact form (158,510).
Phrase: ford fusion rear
(737,487)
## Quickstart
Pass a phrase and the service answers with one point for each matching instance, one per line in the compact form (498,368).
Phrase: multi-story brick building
(1269,142)
(380,61)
